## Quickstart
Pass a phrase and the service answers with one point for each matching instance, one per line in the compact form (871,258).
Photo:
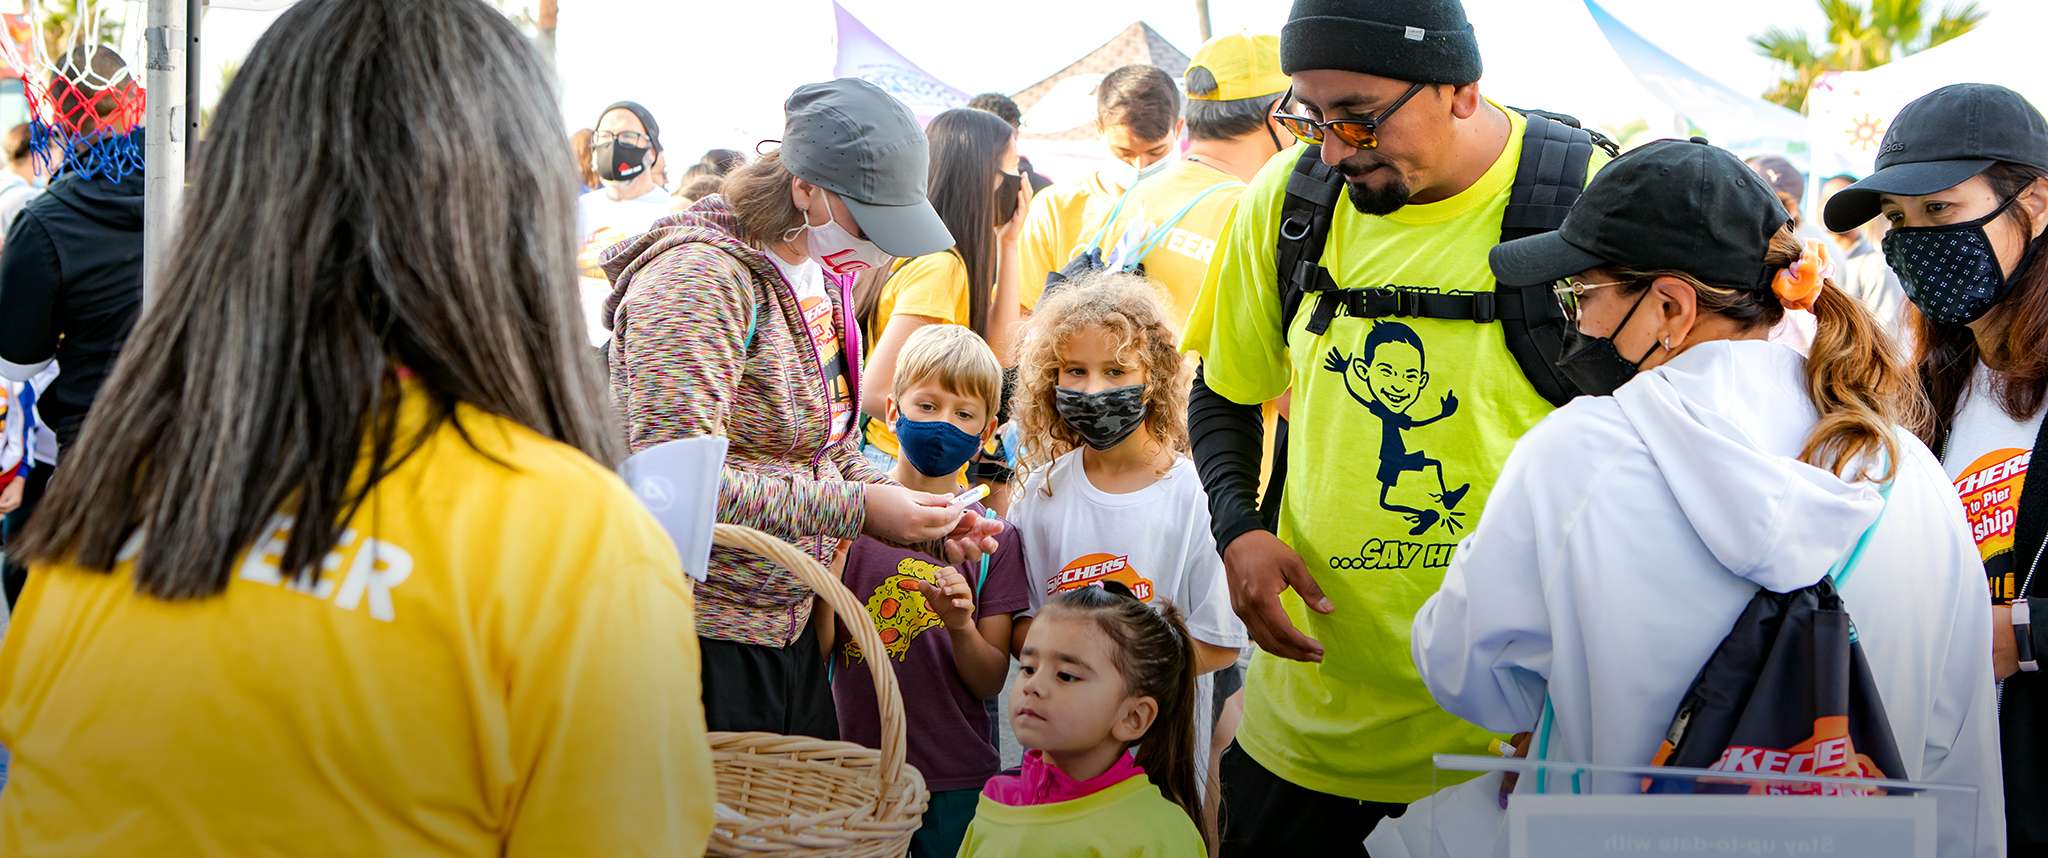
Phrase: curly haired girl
(1110,494)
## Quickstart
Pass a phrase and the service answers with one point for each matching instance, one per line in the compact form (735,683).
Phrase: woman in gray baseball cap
(735,318)
(1963,180)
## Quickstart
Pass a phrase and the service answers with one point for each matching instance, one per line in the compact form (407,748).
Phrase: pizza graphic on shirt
(1090,569)
(899,609)
(1990,491)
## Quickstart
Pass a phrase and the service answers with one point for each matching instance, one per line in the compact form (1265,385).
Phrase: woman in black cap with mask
(1631,527)
(1963,179)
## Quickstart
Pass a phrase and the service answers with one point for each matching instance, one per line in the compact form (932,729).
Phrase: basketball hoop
(86,102)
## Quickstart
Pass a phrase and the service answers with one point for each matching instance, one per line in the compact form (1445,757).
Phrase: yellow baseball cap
(1244,65)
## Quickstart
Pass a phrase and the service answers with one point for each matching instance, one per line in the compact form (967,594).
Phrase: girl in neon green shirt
(1102,672)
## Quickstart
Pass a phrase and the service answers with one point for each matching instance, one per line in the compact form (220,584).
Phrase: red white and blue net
(85,99)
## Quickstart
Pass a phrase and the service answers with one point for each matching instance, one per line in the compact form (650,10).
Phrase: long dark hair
(966,149)
(1948,354)
(308,276)
(1156,658)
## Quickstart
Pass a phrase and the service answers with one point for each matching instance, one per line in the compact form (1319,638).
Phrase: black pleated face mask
(1595,363)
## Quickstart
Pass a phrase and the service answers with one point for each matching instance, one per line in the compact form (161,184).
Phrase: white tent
(1059,110)
(713,74)
(1848,112)
(1550,54)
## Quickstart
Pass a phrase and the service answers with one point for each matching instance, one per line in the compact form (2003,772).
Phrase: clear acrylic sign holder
(1573,810)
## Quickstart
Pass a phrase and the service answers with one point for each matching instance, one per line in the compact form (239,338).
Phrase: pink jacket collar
(1041,782)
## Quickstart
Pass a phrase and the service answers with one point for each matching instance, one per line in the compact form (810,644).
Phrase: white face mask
(1128,174)
(835,249)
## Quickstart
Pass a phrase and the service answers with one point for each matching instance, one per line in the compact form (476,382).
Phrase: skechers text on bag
(1788,691)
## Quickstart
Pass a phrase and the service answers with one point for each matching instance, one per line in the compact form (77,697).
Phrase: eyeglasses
(630,138)
(1356,133)
(1570,291)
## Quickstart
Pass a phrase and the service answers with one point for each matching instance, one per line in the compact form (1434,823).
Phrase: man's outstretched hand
(1260,566)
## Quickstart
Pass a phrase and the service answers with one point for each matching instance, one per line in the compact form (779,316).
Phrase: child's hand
(953,599)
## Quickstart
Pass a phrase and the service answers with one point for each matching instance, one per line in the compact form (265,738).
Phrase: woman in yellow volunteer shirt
(338,567)
(981,195)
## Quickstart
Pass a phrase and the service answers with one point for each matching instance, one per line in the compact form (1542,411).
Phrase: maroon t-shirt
(949,735)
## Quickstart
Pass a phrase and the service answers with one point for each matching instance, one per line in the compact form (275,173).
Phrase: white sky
(715,70)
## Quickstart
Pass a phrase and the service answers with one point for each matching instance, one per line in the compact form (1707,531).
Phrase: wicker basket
(794,795)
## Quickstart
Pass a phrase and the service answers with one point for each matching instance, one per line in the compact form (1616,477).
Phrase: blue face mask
(935,448)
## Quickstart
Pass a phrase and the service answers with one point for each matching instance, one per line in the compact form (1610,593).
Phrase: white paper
(1569,826)
(678,482)
(1463,821)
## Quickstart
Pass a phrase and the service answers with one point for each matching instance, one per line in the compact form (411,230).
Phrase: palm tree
(61,26)
(1860,35)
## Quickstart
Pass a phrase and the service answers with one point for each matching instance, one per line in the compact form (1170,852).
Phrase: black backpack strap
(1556,154)
(1305,215)
(2030,528)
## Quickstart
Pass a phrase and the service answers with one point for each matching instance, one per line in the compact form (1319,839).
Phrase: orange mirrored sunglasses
(1356,133)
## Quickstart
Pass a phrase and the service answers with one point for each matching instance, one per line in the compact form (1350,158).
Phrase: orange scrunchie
(1798,285)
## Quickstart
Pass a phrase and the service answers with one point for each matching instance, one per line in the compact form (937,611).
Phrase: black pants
(15,575)
(773,690)
(1264,816)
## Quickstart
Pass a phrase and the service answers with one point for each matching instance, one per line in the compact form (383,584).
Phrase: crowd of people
(1342,419)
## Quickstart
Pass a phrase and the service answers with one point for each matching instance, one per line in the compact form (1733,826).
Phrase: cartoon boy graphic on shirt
(1387,379)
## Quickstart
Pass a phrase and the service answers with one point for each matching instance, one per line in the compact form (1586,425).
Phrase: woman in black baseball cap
(1630,528)
(1963,180)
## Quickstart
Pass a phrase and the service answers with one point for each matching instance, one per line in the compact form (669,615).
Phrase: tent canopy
(1062,105)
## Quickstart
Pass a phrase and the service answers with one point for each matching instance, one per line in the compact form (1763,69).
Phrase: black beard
(1382,202)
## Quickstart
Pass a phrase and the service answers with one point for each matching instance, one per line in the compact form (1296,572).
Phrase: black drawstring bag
(1788,691)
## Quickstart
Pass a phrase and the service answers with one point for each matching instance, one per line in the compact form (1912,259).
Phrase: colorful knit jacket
(684,295)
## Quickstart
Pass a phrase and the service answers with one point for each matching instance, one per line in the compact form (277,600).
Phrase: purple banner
(864,55)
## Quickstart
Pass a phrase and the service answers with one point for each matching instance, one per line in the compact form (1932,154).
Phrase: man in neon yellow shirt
(1402,413)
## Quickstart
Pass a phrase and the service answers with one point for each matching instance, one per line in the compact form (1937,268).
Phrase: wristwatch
(2022,635)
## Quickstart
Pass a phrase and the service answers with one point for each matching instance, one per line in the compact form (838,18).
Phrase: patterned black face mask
(1104,419)
(1949,272)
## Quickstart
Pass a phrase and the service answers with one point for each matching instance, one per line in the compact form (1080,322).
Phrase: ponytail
(1855,378)
(1167,753)
(1156,658)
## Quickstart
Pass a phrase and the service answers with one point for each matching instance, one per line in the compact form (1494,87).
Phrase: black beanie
(1418,41)
(646,119)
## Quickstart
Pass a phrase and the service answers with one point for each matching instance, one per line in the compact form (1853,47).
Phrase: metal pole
(164,152)
(195,87)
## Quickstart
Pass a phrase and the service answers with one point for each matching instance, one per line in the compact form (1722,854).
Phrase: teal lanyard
(1158,235)
(1096,242)
(986,514)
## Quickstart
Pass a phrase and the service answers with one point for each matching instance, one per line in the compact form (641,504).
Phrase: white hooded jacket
(1627,533)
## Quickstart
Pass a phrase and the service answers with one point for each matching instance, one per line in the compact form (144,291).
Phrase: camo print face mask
(1103,419)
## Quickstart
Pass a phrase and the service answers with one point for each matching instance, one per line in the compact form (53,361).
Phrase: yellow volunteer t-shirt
(1066,217)
(1132,819)
(934,286)
(1399,428)
(499,659)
